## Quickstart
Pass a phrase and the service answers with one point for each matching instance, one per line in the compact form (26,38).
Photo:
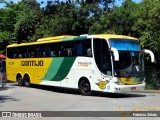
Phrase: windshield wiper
(129,72)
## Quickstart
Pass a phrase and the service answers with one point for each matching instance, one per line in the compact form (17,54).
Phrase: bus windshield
(130,62)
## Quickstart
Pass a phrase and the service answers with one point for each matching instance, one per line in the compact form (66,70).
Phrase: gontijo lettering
(32,63)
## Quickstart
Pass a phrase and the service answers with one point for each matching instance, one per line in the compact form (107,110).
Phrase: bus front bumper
(127,88)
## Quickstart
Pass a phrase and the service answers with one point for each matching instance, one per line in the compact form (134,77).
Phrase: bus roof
(108,36)
(55,38)
(70,38)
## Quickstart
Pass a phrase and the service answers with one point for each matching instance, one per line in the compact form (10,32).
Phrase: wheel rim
(19,81)
(27,82)
(86,87)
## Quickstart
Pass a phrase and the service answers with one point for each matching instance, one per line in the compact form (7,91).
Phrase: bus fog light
(118,82)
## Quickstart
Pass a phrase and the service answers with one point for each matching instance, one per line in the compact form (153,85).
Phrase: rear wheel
(85,87)
(27,81)
(20,80)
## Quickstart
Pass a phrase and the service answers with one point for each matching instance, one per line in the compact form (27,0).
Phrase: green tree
(118,20)
(26,20)
(148,25)
(70,17)
(7,21)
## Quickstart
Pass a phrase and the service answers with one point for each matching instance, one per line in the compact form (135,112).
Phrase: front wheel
(85,88)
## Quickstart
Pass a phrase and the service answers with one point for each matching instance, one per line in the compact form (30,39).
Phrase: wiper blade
(129,72)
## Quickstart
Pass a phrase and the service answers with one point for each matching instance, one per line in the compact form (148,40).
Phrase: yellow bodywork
(36,73)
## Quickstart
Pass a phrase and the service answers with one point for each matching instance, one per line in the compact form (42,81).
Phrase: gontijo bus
(103,62)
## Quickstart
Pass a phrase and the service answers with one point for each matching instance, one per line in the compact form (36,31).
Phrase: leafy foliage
(26,20)
(7,21)
(148,26)
(119,20)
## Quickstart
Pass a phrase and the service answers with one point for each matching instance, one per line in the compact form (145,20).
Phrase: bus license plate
(133,88)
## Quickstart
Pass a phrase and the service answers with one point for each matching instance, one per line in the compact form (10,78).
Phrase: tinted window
(102,56)
(83,48)
(62,49)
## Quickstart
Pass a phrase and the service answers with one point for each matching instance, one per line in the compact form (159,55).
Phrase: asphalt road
(42,98)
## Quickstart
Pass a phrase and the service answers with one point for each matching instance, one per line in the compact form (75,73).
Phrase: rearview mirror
(115,53)
(150,53)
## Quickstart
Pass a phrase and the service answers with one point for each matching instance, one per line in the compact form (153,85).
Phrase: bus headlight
(118,82)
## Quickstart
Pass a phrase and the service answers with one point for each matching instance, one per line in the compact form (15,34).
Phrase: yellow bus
(102,62)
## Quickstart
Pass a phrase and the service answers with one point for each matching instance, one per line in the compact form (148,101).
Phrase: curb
(148,91)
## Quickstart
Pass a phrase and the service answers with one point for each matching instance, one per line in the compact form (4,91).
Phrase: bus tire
(27,80)
(85,88)
(19,80)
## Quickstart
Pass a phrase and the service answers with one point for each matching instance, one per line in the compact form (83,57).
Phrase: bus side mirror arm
(150,53)
(115,53)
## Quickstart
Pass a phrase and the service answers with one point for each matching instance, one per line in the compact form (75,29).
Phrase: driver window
(102,56)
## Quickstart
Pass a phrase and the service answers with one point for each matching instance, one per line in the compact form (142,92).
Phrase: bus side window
(61,51)
(20,56)
(27,55)
(79,49)
(69,52)
(32,54)
(38,52)
(53,53)
(83,48)
(89,52)
(16,55)
(44,54)
(10,52)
